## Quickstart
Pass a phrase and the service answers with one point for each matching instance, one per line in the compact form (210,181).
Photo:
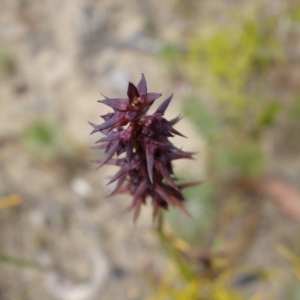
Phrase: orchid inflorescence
(146,169)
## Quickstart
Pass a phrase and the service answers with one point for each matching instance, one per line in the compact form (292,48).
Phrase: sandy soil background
(56,58)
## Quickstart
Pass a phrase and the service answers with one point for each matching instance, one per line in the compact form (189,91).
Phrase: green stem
(20,262)
(183,267)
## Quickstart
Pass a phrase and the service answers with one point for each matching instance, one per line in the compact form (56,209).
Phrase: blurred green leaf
(200,205)
(293,290)
(295,15)
(182,266)
(296,106)
(8,63)
(39,132)
(268,114)
(196,112)
(242,159)
(168,51)
(20,262)
(40,138)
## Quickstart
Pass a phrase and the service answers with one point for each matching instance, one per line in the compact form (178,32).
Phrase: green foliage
(295,109)
(201,207)
(295,15)
(268,114)
(183,267)
(229,55)
(232,60)
(40,139)
(203,120)
(242,159)
(45,140)
(197,290)
(184,283)
(293,291)
(229,64)
(8,64)
(40,133)
(168,51)
(20,262)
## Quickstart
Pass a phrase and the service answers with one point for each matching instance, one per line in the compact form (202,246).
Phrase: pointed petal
(137,211)
(167,176)
(137,208)
(162,108)
(113,122)
(132,114)
(188,184)
(150,161)
(138,194)
(109,154)
(155,210)
(93,125)
(119,185)
(150,97)
(140,190)
(173,155)
(107,116)
(111,137)
(121,148)
(142,86)
(104,96)
(175,120)
(132,93)
(174,131)
(145,109)
(179,204)
(163,195)
(105,125)
(121,104)
(114,162)
(109,146)
(101,146)
(170,199)
(120,173)
(129,147)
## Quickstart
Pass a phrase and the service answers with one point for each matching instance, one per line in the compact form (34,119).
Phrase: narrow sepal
(129,148)
(117,104)
(155,210)
(120,173)
(111,123)
(111,137)
(167,176)
(101,146)
(170,199)
(174,131)
(141,189)
(142,86)
(175,120)
(149,98)
(107,116)
(173,155)
(189,184)
(163,107)
(119,185)
(137,210)
(150,161)
(132,93)
(93,125)
(109,154)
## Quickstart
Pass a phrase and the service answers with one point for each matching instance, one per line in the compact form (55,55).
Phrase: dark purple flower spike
(145,169)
